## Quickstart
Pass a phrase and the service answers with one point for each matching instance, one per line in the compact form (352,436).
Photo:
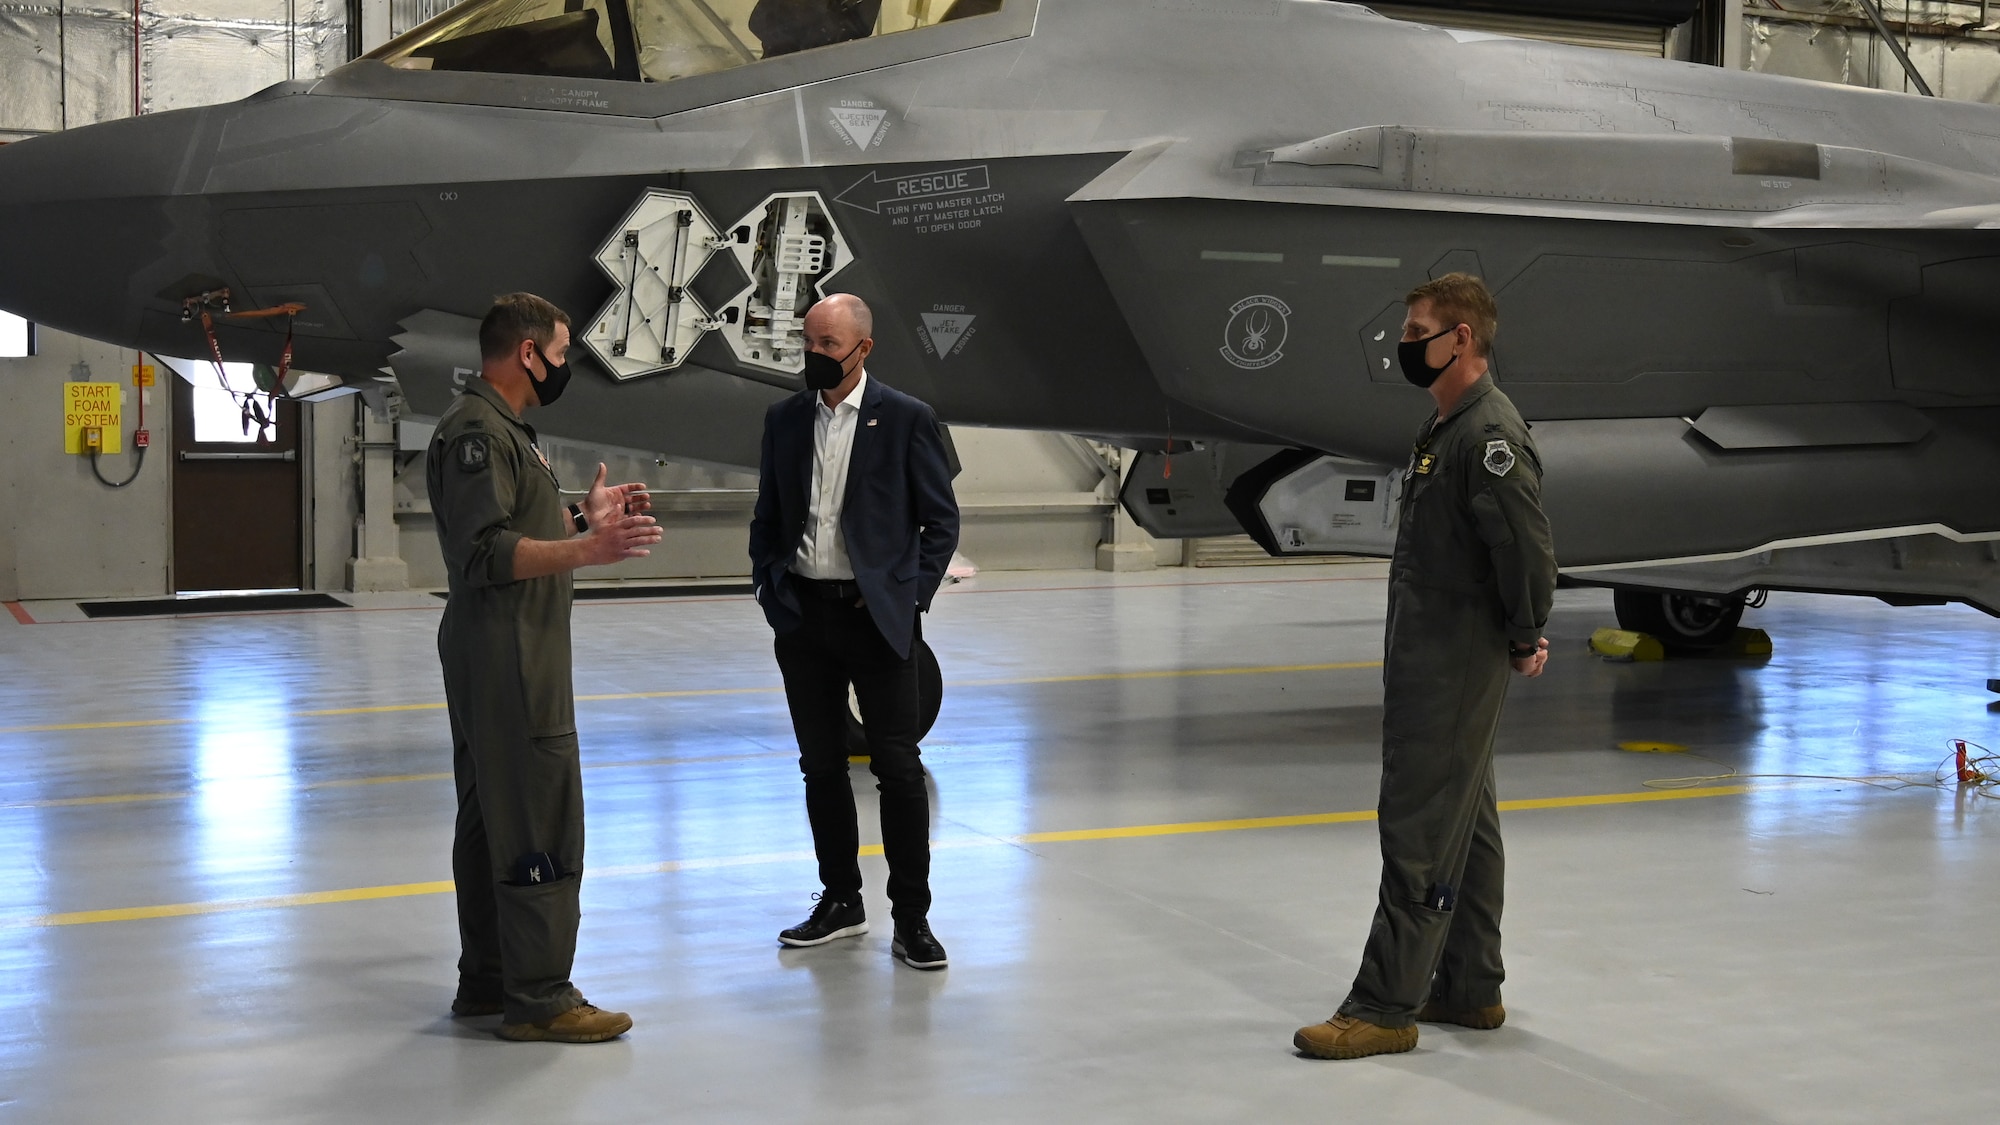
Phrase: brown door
(237,497)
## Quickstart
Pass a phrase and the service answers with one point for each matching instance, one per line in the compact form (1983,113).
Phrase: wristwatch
(1514,653)
(576,518)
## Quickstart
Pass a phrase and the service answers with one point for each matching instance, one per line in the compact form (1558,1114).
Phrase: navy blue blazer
(900,518)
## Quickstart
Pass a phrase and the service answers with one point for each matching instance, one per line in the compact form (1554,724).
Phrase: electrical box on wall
(92,406)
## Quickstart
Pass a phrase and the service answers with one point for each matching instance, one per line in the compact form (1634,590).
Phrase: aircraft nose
(83,215)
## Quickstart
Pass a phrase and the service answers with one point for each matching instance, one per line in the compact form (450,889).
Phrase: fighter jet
(1745,314)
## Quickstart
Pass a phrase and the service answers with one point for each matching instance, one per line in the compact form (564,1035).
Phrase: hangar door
(1649,39)
(238,490)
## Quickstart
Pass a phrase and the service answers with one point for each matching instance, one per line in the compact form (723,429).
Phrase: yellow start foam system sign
(89,407)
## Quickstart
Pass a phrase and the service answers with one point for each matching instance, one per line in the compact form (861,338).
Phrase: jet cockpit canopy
(650,40)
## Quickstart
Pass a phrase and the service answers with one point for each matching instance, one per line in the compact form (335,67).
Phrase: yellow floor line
(396,779)
(1173,673)
(238,905)
(1138,831)
(122,725)
(108,799)
(694,693)
(1131,832)
(387,779)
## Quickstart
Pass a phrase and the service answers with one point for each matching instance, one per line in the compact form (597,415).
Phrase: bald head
(842,310)
(842,329)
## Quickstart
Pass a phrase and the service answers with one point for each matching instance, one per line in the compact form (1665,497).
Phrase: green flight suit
(1473,570)
(517,855)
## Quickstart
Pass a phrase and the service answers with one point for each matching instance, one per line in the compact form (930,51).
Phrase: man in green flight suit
(1470,587)
(509,547)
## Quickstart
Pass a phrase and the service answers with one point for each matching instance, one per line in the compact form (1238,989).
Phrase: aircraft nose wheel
(1682,622)
(930,697)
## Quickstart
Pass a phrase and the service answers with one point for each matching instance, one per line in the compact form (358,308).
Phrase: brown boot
(1344,1037)
(581,1024)
(1483,1019)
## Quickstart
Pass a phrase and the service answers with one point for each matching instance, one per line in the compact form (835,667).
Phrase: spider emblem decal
(1256,333)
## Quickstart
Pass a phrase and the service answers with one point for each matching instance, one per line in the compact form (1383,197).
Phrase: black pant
(839,644)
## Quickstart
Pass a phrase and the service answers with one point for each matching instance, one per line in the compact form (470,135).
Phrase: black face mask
(1410,353)
(823,372)
(548,390)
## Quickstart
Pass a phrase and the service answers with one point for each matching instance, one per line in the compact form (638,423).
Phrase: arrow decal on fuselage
(872,191)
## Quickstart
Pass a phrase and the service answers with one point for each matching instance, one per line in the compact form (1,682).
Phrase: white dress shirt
(823,551)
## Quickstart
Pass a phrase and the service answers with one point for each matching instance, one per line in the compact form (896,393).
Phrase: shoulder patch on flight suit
(1424,463)
(1499,458)
(472,453)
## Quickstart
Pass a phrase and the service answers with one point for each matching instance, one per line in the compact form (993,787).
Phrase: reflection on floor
(225,845)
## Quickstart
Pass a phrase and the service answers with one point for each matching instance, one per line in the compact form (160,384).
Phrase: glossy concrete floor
(223,840)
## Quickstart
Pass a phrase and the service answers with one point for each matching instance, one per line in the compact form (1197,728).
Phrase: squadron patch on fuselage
(1499,458)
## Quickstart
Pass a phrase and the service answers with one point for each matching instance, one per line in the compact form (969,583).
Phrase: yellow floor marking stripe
(123,725)
(113,799)
(400,778)
(391,779)
(384,709)
(238,905)
(694,693)
(689,693)
(405,890)
(1253,823)
(1622,798)
(1141,830)
(1173,673)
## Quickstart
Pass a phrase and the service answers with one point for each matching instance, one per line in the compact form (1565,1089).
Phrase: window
(218,410)
(17,337)
(651,40)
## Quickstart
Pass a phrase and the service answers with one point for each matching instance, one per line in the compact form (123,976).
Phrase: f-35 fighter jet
(1747,315)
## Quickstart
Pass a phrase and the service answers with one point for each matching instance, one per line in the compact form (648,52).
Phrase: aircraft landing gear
(1684,623)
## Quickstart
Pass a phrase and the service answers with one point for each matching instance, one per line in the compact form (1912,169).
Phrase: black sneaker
(829,920)
(915,946)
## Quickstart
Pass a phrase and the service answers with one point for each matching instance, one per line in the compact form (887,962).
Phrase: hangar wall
(1955,47)
(1030,500)
(1954,44)
(65,63)
(65,534)
(62,533)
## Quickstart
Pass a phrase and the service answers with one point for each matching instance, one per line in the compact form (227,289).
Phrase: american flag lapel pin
(872,421)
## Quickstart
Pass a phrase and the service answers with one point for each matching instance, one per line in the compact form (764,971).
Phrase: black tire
(930,698)
(1683,622)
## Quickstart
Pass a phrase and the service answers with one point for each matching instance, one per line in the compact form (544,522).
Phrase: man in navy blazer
(854,527)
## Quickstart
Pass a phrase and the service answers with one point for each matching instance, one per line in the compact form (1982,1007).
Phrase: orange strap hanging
(253,412)
(288,310)
(220,297)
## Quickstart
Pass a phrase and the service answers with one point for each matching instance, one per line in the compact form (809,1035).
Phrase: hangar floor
(223,840)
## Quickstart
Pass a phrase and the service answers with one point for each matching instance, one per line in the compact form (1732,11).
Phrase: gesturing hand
(606,503)
(618,538)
